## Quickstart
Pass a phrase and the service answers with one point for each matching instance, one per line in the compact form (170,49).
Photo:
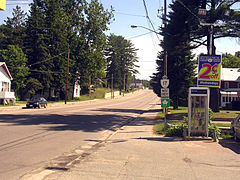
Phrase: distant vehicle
(37,103)
(236,128)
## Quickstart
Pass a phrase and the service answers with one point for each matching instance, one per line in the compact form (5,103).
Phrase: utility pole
(165,24)
(124,83)
(165,54)
(112,93)
(214,92)
(66,90)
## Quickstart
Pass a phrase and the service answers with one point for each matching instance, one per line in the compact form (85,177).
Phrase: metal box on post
(198,111)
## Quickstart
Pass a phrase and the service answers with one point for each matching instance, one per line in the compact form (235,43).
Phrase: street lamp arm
(134,26)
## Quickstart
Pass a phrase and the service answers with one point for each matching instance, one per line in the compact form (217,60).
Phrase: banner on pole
(209,71)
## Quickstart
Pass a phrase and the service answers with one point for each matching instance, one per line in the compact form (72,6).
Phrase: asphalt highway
(33,138)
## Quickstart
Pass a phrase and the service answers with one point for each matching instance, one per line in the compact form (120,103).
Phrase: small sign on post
(165,92)
(165,102)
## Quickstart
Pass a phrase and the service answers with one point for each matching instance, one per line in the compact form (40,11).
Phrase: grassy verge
(174,113)
(226,114)
(176,129)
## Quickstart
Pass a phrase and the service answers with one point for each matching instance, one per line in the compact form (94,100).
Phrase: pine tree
(121,59)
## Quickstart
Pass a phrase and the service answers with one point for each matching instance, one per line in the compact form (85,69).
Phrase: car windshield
(34,99)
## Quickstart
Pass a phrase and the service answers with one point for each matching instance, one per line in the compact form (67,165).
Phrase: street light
(157,33)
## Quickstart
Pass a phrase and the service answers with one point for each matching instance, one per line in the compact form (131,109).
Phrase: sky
(132,12)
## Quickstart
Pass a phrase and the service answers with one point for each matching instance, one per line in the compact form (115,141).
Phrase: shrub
(175,129)
(211,127)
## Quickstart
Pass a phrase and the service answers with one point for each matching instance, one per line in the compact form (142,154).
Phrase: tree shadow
(137,111)
(230,144)
(163,139)
(56,122)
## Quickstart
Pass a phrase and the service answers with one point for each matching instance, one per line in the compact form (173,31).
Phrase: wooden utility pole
(66,90)
(112,93)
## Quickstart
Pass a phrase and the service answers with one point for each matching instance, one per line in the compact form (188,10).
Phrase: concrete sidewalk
(134,152)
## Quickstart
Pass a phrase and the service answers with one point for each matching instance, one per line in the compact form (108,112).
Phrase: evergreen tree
(37,45)
(13,31)
(121,59)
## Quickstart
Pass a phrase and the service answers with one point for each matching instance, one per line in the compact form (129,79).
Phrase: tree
(177,43)
(183,33)
(121,59)
(230,61)
(17,64)
(13,32)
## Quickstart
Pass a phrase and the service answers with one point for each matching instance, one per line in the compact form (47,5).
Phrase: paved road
(34,138)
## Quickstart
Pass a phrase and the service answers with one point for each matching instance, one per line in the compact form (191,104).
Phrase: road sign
(209,70)
(164,92)
(164,82)
(165,102)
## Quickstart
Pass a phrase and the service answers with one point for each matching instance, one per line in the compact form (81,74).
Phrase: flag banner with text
(209,71)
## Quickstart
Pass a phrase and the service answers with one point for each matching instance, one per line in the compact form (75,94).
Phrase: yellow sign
(2,5)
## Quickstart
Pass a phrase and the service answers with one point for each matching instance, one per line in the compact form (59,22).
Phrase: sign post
(165,96)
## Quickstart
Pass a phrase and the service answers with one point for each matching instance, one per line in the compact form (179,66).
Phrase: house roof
(230,74)
(4,66)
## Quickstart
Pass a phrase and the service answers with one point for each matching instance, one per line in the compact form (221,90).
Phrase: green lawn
(183,111)
(174,113)
(225,114)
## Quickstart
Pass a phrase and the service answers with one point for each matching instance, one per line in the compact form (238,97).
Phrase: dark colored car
(236,128)
(37,103)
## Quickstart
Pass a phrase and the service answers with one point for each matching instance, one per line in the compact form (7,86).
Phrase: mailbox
(198,111)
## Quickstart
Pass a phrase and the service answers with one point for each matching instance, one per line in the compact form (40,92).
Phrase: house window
(226,85)
(5,87)
(224,99)
(238,85)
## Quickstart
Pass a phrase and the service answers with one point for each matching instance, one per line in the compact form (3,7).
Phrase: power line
(139,35)
(148,18)
(47,59)
(129,14)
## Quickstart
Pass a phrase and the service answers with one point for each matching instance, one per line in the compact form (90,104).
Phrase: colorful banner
(209,71)
(2,5)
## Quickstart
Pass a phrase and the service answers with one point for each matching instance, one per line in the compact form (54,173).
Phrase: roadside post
(165,96)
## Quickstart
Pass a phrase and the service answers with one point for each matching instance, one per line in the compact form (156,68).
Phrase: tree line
(36,46)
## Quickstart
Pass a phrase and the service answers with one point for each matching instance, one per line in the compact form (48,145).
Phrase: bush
(211,127)
(175,129)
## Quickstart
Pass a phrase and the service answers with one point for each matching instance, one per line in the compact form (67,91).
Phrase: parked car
(37,102)
(236,128)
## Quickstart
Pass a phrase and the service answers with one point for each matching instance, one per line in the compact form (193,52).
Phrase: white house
(5,85)
(230,86)
(77,89)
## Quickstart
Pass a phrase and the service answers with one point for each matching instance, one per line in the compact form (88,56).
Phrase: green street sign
(165,102)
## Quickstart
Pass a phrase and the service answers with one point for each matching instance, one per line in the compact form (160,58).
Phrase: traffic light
(2,5)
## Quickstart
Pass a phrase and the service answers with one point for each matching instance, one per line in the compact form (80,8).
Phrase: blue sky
(132,12)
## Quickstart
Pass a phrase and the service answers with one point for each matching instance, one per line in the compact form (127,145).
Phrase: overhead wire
(127,14)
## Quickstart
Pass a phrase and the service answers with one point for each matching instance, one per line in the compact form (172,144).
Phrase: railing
(7,95)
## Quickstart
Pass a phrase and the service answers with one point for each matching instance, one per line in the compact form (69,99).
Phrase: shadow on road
(88,123)
(128,110)
(163,139)
(230,144)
